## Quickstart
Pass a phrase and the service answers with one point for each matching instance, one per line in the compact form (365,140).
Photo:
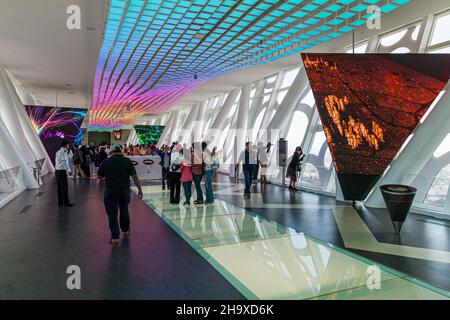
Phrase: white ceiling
(44,55)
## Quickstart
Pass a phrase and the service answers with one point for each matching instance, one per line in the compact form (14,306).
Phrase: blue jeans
(198,188)
(187,190)
(112,206)
(248,176)
(208,186)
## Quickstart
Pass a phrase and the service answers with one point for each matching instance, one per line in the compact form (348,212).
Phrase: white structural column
(200,121)
(25,96)
(188,125)
(427,137)
(253,109)
(242,120)
(297,90)
(11,157)
(165,136)
(176,126)
(35,144)
(9,116)
(272,102)
(131,137)
(214,132)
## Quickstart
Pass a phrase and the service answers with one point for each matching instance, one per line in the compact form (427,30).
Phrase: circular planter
(398,199)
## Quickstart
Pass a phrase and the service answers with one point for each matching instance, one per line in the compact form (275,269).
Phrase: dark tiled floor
(37,245)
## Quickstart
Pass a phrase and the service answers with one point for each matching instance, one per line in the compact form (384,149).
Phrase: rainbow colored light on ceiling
(153,48)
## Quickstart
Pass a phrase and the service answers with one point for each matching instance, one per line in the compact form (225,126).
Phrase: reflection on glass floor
(266,260)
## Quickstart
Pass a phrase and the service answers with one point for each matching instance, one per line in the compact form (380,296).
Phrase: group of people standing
(187,166)
(181,166)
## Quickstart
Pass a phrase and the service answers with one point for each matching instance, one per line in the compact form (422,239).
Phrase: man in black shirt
(116,172)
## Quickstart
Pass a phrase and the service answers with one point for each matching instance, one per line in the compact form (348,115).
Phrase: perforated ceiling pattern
(155,51)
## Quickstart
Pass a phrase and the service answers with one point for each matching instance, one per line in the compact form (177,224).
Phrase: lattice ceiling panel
(155,51)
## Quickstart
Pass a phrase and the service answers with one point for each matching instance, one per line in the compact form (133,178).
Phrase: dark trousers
(63,187)
(198,188)
(175,186)
(113,205)
(164,176)
(248,176)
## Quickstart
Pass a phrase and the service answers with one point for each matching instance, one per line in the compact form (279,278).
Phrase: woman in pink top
(186,180)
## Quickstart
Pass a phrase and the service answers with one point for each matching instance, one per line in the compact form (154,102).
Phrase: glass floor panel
(293,267)
(396,289)
(226,229)
(266,260)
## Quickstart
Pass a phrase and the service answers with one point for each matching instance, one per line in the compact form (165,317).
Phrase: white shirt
(252,157)
(263,156)
(62,160)
(175,159)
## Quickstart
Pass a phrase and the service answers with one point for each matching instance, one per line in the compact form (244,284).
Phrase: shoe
(126,234)
(114,242)
(164,188)
(198,202)
(186,203)
(69,205)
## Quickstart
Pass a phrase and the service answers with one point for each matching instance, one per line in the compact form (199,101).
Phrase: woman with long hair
(295,167)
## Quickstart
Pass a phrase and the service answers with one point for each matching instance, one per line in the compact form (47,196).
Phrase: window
(317,170)
(359,48)
(391,39)
(289,78)
(443,148)
(402,40)
(297,131)
(258,123)
(439,191)
(441,29)
(440,50)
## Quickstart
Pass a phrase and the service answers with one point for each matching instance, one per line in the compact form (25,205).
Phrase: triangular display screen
(369,105)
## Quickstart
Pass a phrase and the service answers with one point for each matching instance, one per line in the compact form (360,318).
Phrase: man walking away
(165,165)
(61,169)
(175,174)
(116,171)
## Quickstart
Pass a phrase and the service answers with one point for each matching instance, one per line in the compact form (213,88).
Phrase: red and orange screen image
(370,103)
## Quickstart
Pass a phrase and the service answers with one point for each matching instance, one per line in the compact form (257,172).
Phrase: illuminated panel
(148,134)
(152,49)
(369,104)
(55,124)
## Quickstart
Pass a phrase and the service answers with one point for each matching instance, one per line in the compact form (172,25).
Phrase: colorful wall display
(55,124)
(369,105)
(148,134)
